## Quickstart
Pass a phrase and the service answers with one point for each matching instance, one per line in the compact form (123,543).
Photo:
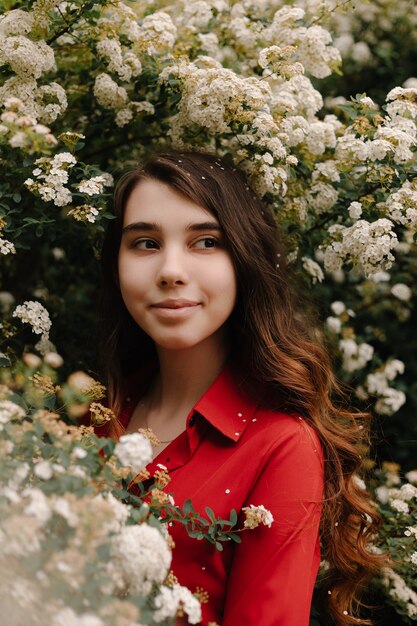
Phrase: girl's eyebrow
(153,226)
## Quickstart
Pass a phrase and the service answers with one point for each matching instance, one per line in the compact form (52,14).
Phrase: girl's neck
(184,375)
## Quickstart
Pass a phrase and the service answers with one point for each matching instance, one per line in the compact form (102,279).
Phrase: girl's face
(176,278)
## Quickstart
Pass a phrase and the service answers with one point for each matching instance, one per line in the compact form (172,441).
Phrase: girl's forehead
(156,201)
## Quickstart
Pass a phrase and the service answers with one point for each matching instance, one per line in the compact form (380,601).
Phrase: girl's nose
(172,270)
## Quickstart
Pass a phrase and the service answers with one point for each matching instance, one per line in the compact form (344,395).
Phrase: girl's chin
(175,346)
(177,342)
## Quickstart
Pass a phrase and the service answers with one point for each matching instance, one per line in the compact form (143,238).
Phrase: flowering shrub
(398,504)
(88,88)
(75,545)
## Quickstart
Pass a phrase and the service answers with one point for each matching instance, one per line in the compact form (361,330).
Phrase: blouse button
(192,420)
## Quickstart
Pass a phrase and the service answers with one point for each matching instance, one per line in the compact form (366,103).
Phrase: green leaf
(210,514)
(188,507)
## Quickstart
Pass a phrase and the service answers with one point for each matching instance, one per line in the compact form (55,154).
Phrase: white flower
(368,245)
(393,367)
(413,558)
(401,205)
(412,476)
(399,505)
(355,210)
(62,507)
(158,31)
(38,506)
(84,213)
(43,470)
(134,450)
(327,169)
(321,196)
(378,149)
(124,116)
(313,269)
(10,410)
(58,254)
(53,359)
(93,186)
(404,101)
(401,291)
(32,360)
(7,247)
(79,453)
(20,536)
(44,345)
(25,57)
(338,307)
(18,140)
(21,473)
(140,558)
(410,531)
(355,356)
(358,481)
(256,515)
(407,492)
(377,383)
(108,93)
(170,600)
(380,277)
(121,61)
(334,324)
(382,493)
(367,102)
(67,617)
(391,402)
(119,512)
(16,22)
(33,313)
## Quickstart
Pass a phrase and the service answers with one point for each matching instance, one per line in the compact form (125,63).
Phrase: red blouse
(234,453)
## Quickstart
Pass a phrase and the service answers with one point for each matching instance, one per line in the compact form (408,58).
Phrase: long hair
(275,342)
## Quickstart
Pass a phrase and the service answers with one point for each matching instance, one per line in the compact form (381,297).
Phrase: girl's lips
(171,312)
(175,303)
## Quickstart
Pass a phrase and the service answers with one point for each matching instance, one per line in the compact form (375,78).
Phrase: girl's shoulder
(286,427)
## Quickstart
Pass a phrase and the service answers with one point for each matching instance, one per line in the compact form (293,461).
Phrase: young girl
(207,344)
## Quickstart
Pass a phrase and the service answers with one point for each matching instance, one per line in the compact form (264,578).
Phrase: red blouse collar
(227,405)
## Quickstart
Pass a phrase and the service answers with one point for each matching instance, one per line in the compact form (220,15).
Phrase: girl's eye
(145,244)
(206,243)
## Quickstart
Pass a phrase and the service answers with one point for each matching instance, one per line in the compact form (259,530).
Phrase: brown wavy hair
(276,343)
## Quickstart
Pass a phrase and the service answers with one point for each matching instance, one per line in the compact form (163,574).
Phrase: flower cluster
(84,213)
(57,488)
(256,515)
(390,400)
(6,247)
(22,130)
(95,185)
(134,450)
(29,59)
(53,172)
(368,245)
(398,501)
(355,355)
(34,314)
